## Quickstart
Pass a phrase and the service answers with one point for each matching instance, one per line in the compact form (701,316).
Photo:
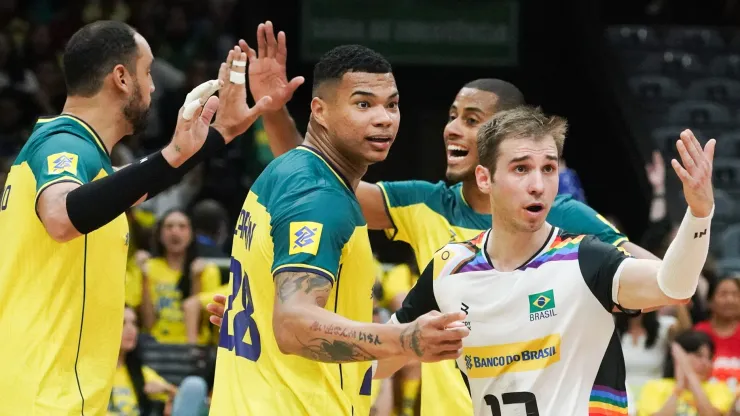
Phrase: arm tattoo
(288,284)
(411,339)
(333,351)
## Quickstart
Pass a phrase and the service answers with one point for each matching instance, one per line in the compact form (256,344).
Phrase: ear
(121,78)
(483,179)
(319,111)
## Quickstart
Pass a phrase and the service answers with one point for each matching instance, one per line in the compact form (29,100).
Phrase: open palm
(267,68)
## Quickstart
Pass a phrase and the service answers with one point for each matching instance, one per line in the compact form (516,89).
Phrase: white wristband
(684,260)
(237,77)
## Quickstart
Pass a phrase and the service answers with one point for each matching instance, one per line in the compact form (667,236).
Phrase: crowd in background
(180,239)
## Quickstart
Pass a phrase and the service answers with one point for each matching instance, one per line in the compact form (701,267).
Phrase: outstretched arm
(303,327)
(649,283)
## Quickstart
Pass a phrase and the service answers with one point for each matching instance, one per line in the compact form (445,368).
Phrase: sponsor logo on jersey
(306,237)
(542,305)
(465,309)
(494,360)
(62,162)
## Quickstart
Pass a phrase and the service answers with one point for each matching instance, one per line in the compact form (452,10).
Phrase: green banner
(434,32)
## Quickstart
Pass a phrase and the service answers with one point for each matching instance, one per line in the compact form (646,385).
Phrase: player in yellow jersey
(65,234)
(298,337)
(426,215)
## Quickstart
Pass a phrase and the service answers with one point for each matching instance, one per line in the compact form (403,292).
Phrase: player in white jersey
(538,299)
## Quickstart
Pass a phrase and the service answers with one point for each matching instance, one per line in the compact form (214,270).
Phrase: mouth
(455,152)
(535,208)
(378,139)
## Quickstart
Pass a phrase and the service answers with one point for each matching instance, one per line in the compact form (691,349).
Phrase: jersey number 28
(243,321)
(519,397)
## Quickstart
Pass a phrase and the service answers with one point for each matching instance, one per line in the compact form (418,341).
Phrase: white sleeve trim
(393,320)
(615,281)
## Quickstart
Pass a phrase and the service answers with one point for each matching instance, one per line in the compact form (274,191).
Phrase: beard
(136,112)
(456,177)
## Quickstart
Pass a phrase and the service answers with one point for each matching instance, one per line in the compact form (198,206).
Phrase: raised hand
(267,72)
(435,336)
(192,123)
(235,116)
(656,172)
(696,173)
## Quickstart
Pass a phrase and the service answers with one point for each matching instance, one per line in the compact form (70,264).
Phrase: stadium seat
(725,66)
(675,63)
(728,266)
(174,362)
(654,86)
(726,175)
(697,39)
(724,206)
(728,144)
(730,242)
(715,88)
(633,36)
(698,112)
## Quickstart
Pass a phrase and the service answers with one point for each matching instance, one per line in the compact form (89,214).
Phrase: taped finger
(239,63)
(237,77)
(197,92)
(190,109)
(214,86)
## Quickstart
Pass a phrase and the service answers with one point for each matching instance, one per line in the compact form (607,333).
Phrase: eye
(520,169)
(471,121)
(451,117)
(393,105)
(363,104)
(549,169)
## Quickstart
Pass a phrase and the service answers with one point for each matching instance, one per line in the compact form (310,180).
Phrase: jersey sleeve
(310,232)
(600,263)
(210,279)
(403,201)
(151,376)
(653,396)
(420,299)
(578,218)
(64,157)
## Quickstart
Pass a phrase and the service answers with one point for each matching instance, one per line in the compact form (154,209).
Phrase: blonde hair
(518,123)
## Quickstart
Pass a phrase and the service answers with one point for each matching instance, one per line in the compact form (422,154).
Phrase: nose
(536,183)
(452,129)
(382,118)
(152,88)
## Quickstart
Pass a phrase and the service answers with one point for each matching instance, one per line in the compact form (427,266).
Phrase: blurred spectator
(137,387)
(723,328)
(685,388)
(211,228)
(569,183)
(105,10)
(52,92)
(13,71)
(14,121)
(172,274)
(645,340)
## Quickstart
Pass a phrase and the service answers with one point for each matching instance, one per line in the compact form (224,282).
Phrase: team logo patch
(542,305)
(305,237)
(62,162)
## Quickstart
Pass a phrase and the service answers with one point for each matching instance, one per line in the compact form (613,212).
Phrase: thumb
(295,83)
(209,110)
(259,107)
(444,320)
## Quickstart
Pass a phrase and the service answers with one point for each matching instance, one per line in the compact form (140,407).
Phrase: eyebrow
(523,158)
(370,94)
(453,107)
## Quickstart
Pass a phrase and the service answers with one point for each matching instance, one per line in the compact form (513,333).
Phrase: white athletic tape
(238,63)
(198,96)
(237,77)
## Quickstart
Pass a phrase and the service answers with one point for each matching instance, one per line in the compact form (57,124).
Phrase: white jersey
(542,338)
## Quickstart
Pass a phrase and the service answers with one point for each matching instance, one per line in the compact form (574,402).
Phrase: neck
(318,138)
(477,200)
(509,248)
(121,358)
(722,323)
(175,260)
(95,111)
(635,323)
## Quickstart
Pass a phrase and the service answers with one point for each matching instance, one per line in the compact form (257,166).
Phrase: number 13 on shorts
(245,341)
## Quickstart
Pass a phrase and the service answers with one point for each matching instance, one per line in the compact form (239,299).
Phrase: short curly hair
(348,58)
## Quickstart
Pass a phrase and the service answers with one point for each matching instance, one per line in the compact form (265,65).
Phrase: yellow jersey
(427,216)
(300,215)
(123,399)
(62,303)
(656,392)
(169,328)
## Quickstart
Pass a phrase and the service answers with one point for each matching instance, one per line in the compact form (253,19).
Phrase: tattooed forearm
(411,339)
(336,351)
(288,284)
(343,332)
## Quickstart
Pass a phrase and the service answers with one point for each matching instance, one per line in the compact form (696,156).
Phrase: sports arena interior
(628,76)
